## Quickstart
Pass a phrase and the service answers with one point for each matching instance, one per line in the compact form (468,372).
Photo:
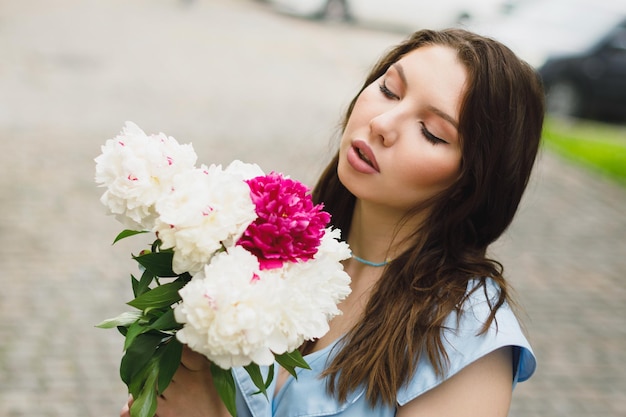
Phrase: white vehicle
(404,15)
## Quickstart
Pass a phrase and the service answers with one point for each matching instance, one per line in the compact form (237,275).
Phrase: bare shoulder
(481,389)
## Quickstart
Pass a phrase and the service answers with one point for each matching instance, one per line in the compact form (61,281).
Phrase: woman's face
(401,144)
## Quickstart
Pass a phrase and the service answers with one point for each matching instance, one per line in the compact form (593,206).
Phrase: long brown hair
(499,129)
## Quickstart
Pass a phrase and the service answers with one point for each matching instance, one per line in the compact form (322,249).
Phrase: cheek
(367,106)
(357,122)
(436,171)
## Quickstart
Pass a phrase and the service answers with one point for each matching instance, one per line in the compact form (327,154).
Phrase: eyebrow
(433,109)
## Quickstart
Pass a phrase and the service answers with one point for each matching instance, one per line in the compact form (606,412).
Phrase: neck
(374,234)
(370,263)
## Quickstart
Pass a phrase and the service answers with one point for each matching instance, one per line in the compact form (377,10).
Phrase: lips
(362,158)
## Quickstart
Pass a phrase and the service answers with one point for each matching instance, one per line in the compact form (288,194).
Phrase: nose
(385,126)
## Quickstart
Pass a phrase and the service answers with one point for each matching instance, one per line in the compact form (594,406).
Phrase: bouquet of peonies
(243,268)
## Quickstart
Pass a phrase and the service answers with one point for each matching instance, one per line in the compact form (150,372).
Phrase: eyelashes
(435,140)
(387,92)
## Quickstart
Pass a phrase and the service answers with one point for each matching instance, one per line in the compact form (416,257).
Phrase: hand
(191,392)
(126,409)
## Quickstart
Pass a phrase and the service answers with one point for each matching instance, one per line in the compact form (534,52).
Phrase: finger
(194,361)
(126,409)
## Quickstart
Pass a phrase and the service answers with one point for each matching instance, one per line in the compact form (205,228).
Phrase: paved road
(239,82)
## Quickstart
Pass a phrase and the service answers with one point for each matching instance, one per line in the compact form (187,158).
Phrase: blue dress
(307,396)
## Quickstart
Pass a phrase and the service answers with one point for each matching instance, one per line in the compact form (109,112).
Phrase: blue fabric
(308,397)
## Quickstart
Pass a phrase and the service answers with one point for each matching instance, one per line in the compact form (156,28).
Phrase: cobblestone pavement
(239,81)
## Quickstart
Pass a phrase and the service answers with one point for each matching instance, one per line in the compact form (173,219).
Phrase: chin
(349,183)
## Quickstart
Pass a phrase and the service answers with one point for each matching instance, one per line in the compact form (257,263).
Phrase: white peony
(230,312)
(137,170)
(243,170)
(235,314)
(314,288)
(206,208)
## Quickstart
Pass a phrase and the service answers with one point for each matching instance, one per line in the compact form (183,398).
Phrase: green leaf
(225,385)
(158,263)
(139,379)
(166,321)
(162,296)
(135,285)
(123,320)
(291,360)
(135,330)
(145,404)
(127,233)
(169,360)
(143,285)
(137,355)
(255,375)
(270,376)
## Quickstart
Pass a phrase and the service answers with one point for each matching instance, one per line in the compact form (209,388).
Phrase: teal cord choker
(370,263)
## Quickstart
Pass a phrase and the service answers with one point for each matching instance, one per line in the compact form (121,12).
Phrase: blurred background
(266,81)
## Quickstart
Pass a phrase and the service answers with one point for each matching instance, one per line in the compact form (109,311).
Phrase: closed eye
(430,137)
(393,96)
(387,92)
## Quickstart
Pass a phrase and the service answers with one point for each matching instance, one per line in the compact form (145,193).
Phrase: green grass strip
(596,146)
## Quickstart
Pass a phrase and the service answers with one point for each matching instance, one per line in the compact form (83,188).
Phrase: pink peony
(289,226)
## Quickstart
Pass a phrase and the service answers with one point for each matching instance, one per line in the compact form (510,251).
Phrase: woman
(437,149)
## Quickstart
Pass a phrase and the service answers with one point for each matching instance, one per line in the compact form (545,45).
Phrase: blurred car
(403,15)
(592,83)
(538,29)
